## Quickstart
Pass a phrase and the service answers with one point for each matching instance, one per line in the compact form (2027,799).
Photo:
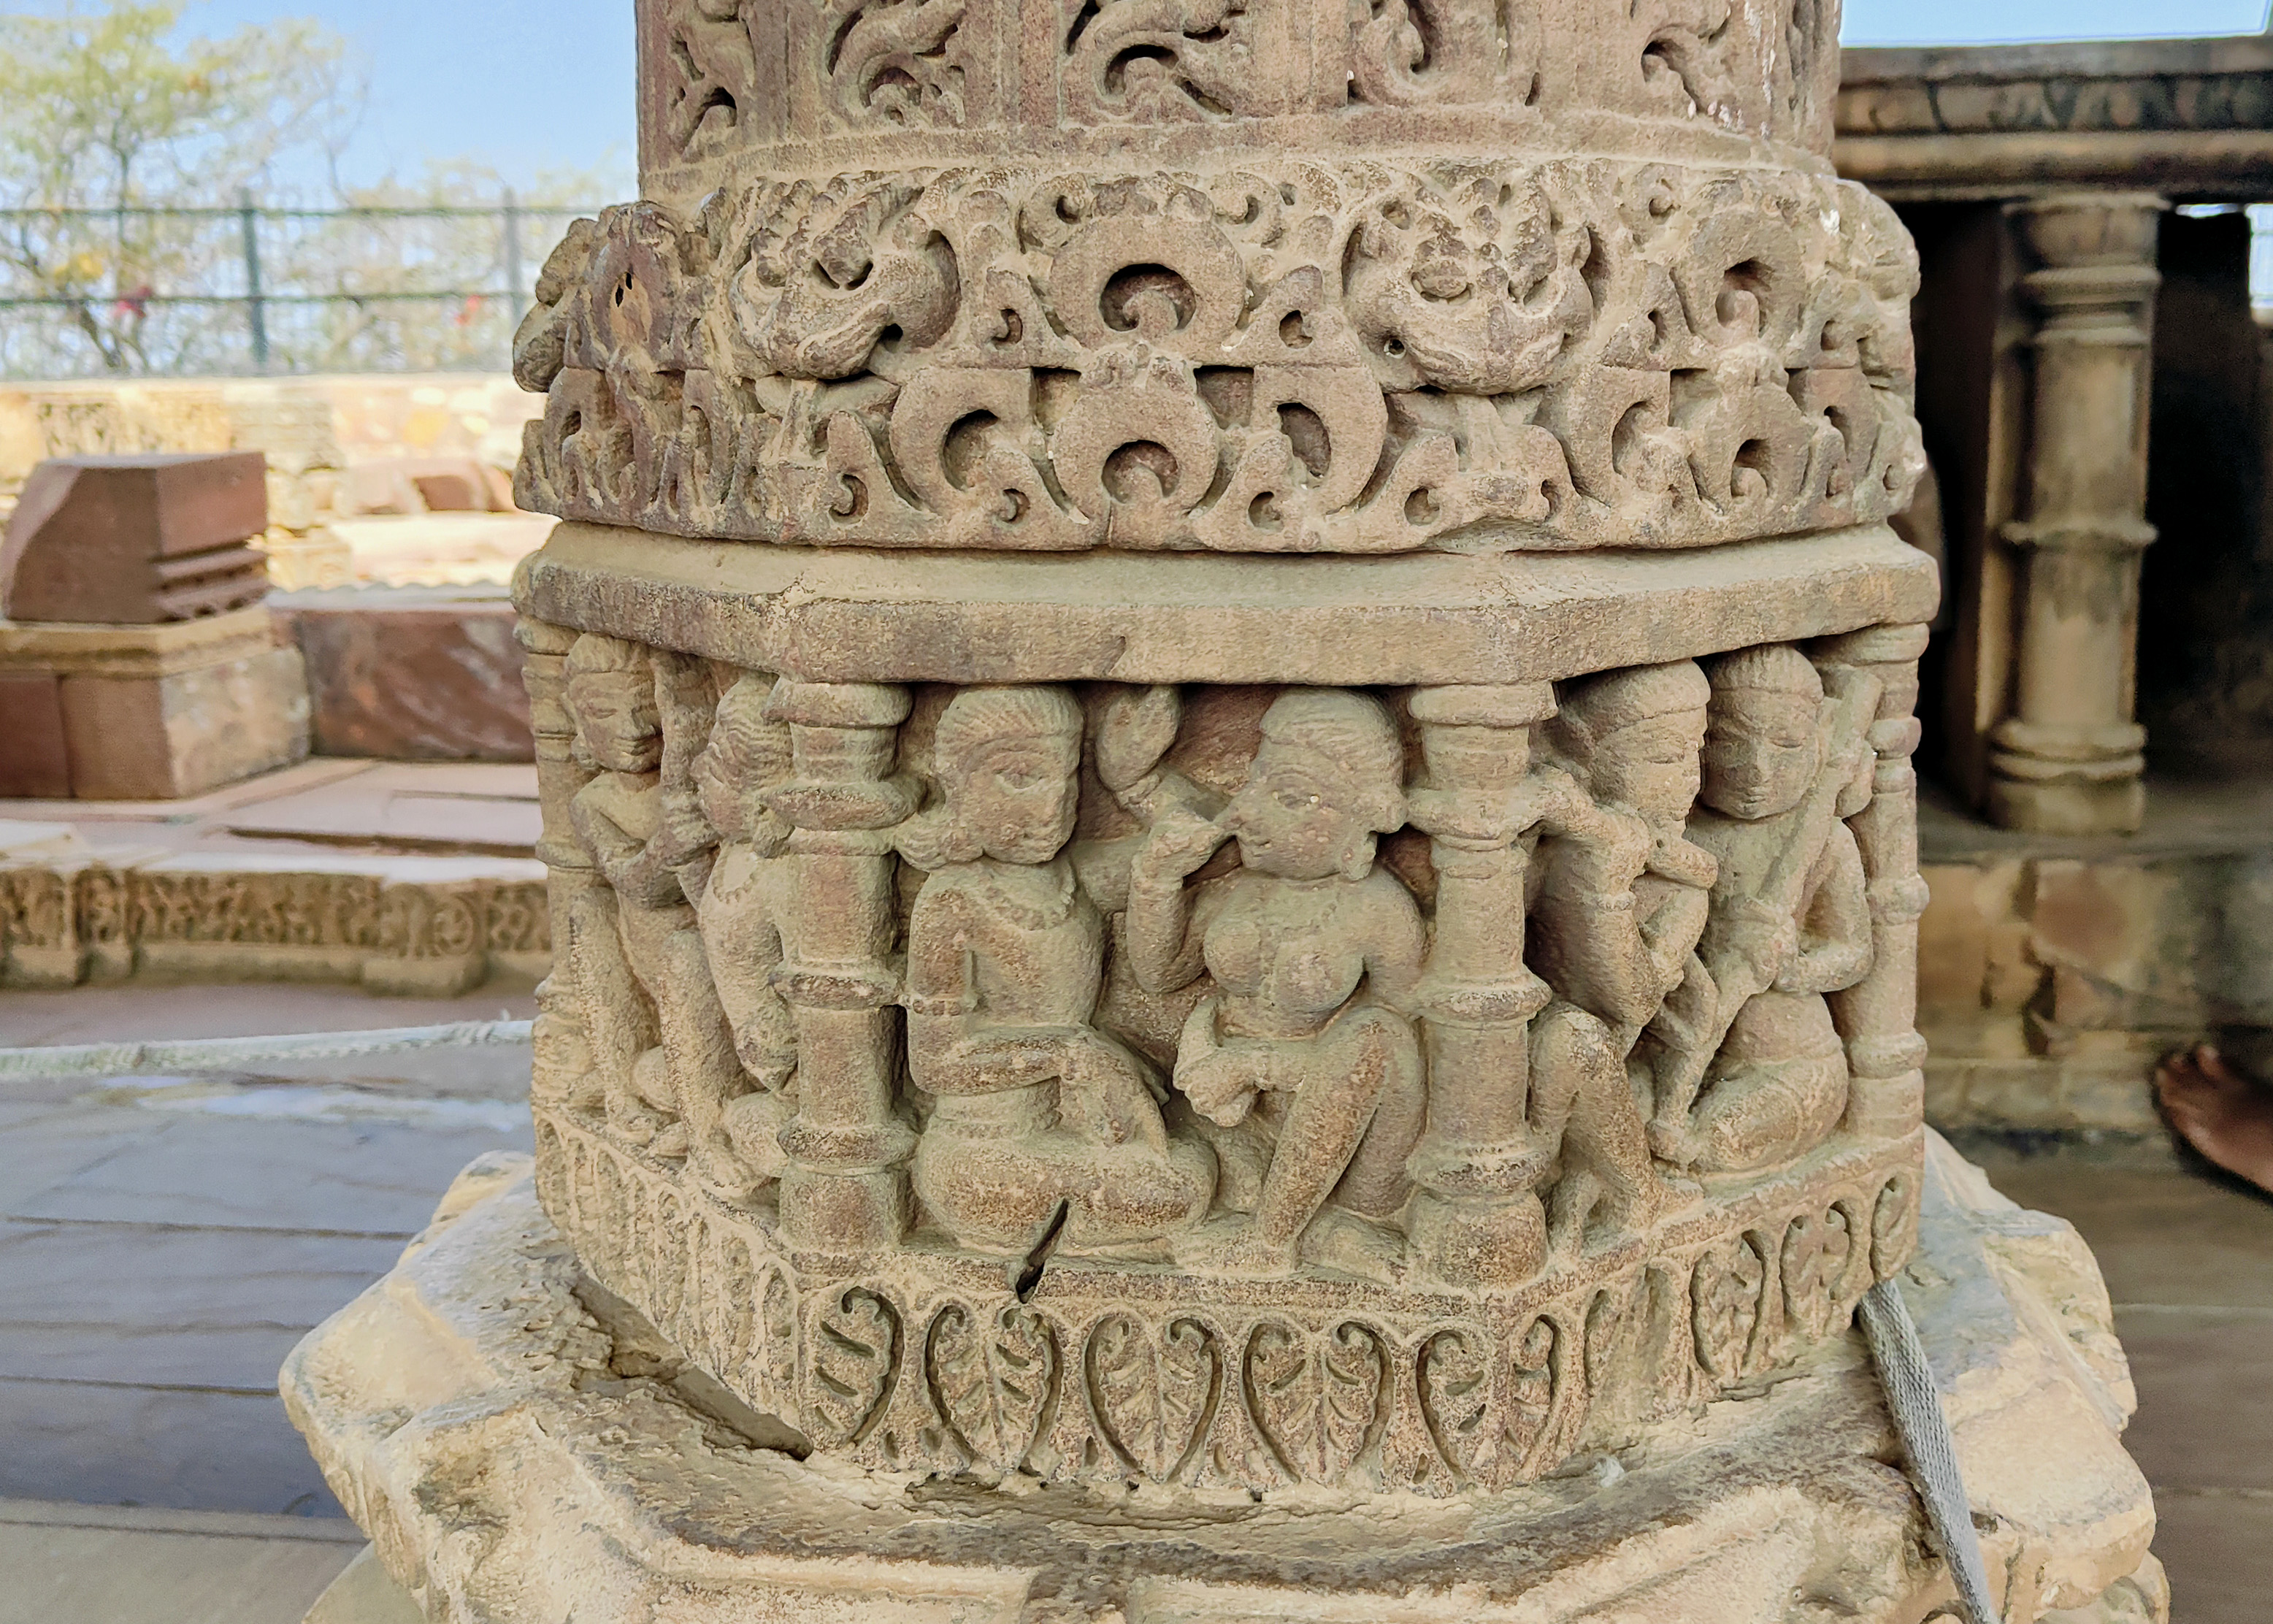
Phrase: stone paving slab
(2190,1266)
(164,1242)
(197,1308)
(108,1443)
(238,1172)
(73,1564)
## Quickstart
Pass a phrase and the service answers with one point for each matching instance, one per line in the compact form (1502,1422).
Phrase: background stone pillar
(1479,1220)
(2068,760)
(846,1186)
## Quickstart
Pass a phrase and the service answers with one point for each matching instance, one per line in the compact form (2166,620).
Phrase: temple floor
(164,1243)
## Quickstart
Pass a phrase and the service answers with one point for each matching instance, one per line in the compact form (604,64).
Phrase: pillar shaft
(846,1186)
(2068,760)
(1478,1220)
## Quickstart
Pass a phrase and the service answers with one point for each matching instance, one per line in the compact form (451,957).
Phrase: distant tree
(111,111)
(107,111)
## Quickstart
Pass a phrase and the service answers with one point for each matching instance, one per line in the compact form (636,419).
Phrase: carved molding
(1300,357)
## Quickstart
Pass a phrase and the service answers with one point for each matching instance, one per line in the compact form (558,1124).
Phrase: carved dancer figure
(1312,949)
(1036,1109)
(742,902)
(1618,901)
(661,1042)
(1783,767)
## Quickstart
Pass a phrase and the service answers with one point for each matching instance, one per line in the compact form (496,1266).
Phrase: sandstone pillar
(1245,696)
(2068,760)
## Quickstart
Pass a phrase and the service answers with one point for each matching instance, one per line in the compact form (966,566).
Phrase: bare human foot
(2225,1115)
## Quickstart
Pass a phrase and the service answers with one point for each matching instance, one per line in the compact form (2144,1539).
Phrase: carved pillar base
(474,1387)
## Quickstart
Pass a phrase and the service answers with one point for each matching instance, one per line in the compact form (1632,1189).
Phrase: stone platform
(518,1444)
(2055,971)
(400,878)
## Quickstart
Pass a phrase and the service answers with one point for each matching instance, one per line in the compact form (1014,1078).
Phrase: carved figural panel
(1232,1085)
(1308,356)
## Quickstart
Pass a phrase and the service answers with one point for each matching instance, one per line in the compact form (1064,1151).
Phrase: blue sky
(529,85)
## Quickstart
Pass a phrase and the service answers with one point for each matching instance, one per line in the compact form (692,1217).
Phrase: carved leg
(1588,1107)
(704,1072)
(610,1008)
(1376,1184)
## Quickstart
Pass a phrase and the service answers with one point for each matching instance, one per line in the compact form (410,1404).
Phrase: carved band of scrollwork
(1349,357)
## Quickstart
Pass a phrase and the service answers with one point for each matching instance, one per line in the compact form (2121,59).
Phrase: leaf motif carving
(1152,1400)
(1816,1254)
(1320,1402)
(1893,1225)
(777,1322)
(1725,1295)
(993,1382)
(1501,1417)
(855,1360)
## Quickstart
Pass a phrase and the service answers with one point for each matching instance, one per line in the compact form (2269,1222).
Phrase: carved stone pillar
(1478,1220)
(2068,760)
(846,1186)
(1228,660)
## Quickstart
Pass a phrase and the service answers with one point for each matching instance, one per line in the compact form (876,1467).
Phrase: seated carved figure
(659,1042)
(1790,921)
(1035,1110)
(1617,903)
(1312,948)
(742,902)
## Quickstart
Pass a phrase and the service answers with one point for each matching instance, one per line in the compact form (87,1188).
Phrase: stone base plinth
(156,712)
(2054,972)
(519,1446)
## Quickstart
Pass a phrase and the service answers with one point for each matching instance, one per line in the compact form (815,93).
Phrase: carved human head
(1635,735)
(612,695)
(1009,759)
(1765,745)
(1328,777)
(745,755)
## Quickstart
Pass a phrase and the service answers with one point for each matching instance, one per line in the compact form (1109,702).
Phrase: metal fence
(252,289)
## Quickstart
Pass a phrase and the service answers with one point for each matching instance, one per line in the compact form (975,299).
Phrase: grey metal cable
(231,1054)
(1916,1404)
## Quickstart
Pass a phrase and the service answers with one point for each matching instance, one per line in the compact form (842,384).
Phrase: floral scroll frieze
(1347,358)
(731,75)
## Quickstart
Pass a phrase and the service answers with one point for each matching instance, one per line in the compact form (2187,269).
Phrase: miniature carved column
(846,1186)
(1478,1220)
(568,872)
(1878,1017)
(2068,760)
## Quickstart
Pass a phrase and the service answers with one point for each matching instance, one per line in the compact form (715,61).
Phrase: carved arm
(1834,948)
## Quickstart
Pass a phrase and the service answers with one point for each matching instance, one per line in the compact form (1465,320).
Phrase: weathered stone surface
(2190,115)
(34,760)
(404,675)
(133,540)
(160,712)
(478,1364)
